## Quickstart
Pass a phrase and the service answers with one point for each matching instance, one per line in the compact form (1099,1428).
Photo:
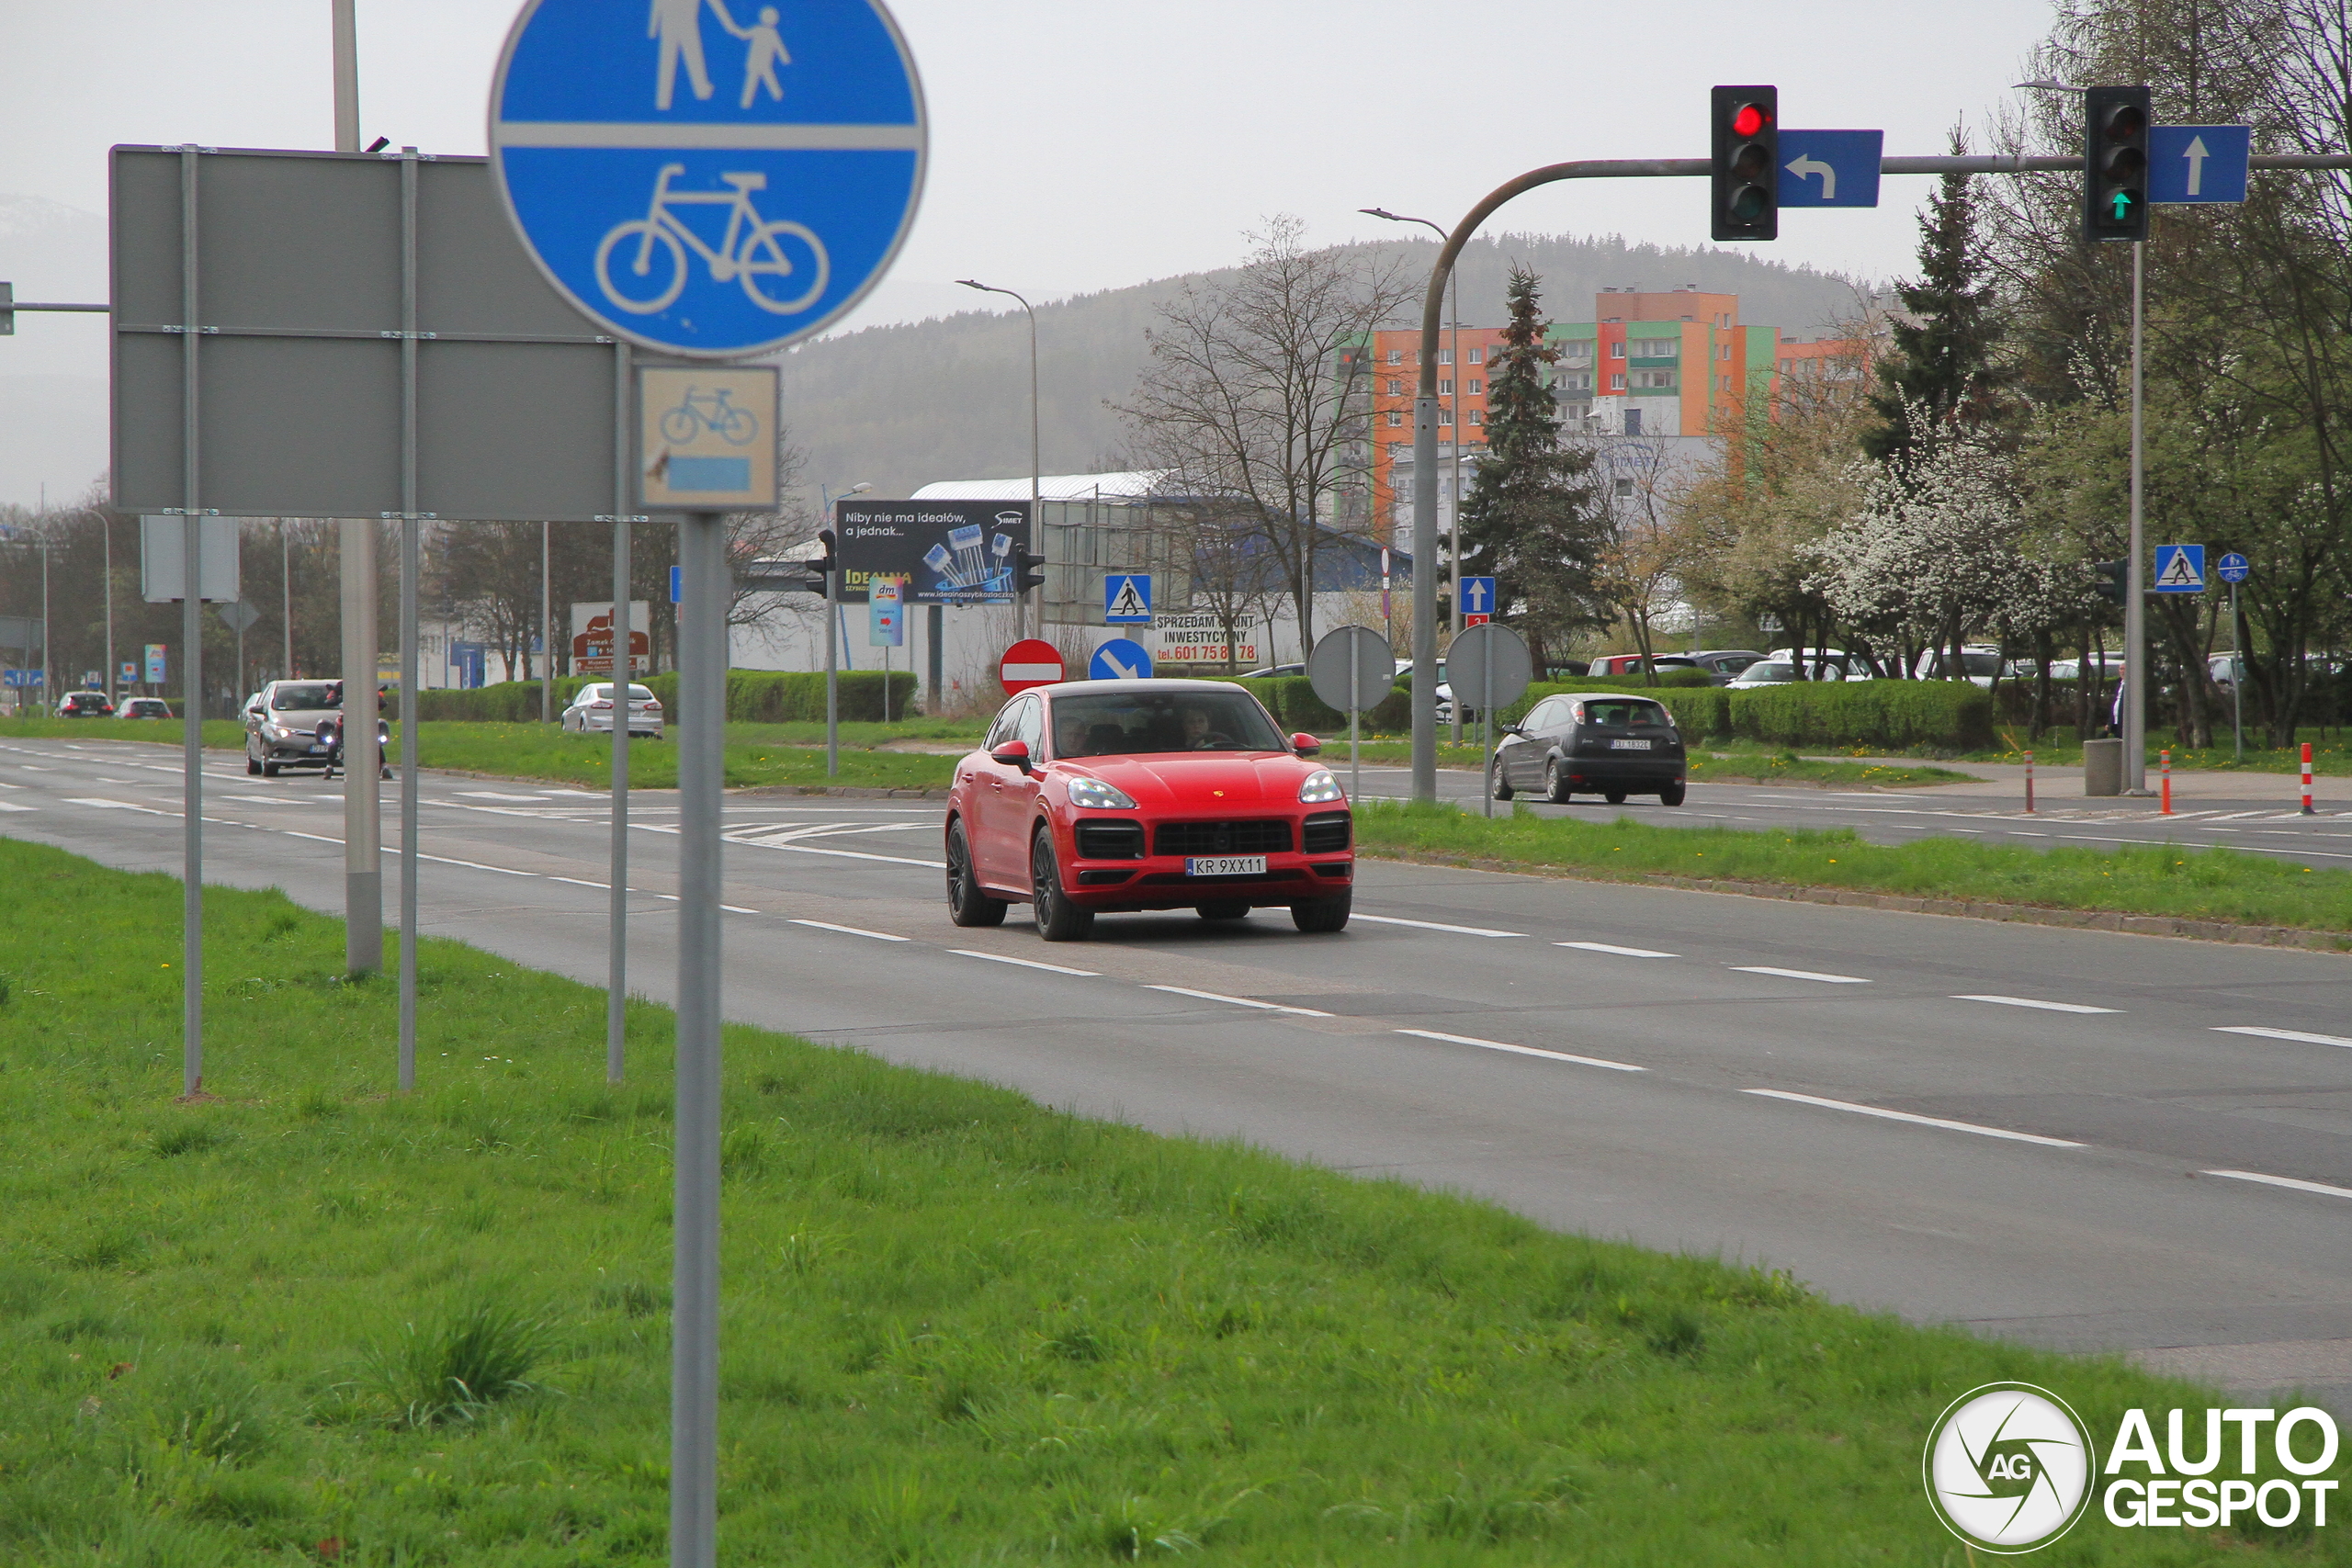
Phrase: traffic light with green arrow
(2115,163)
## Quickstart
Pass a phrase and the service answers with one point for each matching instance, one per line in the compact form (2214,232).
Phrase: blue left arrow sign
(1830,168)
(705,183)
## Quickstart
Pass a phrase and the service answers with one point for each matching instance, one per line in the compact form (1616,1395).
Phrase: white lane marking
(1620,952)
(495,795)
(2036,1002)
(101,778)
(2322,1187)
(1524,1050)
(1238,1001)
(2294,1034)
(30,769)
(105,805)
(845,854)
(12,805)
(738,909)
(1801,975)
(1921,1121)
(1433,925)
(576,882)
(1024,962)
(856,930)
(261,799)
(314,838)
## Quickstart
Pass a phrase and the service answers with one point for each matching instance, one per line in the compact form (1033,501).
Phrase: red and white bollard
(2028,783)
(2307,779)
(2166,757)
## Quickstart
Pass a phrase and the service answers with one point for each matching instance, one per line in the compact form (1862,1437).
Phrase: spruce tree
(1533,519)
(1943,362)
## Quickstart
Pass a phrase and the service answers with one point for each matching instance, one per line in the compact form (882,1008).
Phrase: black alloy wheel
(1671,794)
(1058,919)
(967,905)
(1613,796)
(1500,782)
(1556,783)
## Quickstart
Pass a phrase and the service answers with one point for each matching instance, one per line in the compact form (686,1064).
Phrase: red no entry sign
(1030,663)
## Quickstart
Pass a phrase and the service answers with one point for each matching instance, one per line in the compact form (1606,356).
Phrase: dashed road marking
(1611,948)
(859,931)
(1433,925)
(1920,1121)
(1025,962)
(1524,1050)
(2298,1036)
(2036,1002)
(2322,1187)
(1801,975)
(1233,1001)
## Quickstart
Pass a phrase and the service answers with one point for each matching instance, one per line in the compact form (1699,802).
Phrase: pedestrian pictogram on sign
(2180,568)
(1126,598)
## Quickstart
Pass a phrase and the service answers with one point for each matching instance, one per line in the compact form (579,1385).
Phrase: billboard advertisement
(950,552)
(592,637)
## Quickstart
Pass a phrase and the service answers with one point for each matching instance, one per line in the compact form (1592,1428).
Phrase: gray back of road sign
(1357,652)
(302,262)
(1488,667)
(162,560)
(240,616)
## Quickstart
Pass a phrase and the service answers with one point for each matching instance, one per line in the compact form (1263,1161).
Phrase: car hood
(301,718)
(1205,781)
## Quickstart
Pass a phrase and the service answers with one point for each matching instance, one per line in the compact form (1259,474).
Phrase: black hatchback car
(1602,743)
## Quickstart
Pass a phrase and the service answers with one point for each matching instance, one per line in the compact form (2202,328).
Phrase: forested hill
(901,406)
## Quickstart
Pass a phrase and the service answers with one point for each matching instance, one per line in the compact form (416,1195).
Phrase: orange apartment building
(1677,363)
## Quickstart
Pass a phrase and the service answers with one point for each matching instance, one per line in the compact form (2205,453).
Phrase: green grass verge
(2331,753)
(960,1328)
(777,754)
(2219,883)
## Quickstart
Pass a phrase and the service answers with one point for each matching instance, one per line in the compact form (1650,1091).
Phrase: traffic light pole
(2136,570)
(1425,401)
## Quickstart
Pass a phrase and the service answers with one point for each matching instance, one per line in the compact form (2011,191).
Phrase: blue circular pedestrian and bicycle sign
(709,177)
(2234,569)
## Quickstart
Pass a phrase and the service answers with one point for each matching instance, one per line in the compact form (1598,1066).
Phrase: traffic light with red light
(1746,154)
(2115,163)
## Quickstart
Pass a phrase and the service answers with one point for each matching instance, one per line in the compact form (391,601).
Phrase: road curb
(1961,908)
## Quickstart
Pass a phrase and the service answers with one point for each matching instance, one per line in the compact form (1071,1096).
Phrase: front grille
(1110,840)
(1264,836)
(1325,833)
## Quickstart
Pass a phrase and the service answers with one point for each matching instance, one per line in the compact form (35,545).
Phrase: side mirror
(1011,754)
(1306,745)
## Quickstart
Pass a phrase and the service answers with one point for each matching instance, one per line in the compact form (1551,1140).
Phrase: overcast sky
(1086,146)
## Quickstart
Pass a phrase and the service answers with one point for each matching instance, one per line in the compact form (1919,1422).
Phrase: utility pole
(363,877)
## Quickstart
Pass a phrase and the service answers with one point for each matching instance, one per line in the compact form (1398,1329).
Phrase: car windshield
(305,698)
(1625,713)
(1769,669)
(1125,723)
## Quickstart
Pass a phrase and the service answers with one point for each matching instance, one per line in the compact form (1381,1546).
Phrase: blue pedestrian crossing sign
(2180,568)
(715,179)
(1126,598)
(1120,659)
(2198,162)
(2233,568)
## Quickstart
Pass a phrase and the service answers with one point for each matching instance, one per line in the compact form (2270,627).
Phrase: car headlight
(1319,787)
(1094,793)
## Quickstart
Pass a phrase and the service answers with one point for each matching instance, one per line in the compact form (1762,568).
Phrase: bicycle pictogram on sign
(731,425)
(754,249)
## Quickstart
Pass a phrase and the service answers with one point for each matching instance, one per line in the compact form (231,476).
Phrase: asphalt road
(2259,813)
(2079,1139)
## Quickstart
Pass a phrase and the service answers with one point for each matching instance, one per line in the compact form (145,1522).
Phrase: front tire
(1555,783)
(252,764)
(1501,789)
(967,905)
(1671,794)
(269,770)
(1058,919)
(1223,910)
(1319,917)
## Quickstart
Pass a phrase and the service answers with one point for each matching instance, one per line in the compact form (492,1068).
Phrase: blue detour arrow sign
(709,177)
(1830,168)
(1120,659)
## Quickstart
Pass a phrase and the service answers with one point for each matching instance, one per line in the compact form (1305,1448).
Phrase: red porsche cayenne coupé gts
(1090,796)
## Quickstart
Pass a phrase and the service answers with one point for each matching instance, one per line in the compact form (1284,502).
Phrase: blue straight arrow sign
(2198,162)
(1830,168)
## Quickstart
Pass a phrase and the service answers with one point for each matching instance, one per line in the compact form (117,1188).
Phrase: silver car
(592,711)
(282,726)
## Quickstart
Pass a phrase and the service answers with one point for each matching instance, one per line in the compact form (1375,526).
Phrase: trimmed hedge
(754,697)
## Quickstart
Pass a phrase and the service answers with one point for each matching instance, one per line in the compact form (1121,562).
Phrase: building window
(1477,416)
(1396,387)
(1654,379)
(1474,354)
(1396,356)
(1632,421)
(1478,389)
(1445,387)
(1617,383)
(1396,418)
(1617,349)
(1625,488)
(1657,348)
(1445,416)
(1445,357)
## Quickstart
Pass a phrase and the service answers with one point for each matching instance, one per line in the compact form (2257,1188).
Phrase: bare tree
(1259,391)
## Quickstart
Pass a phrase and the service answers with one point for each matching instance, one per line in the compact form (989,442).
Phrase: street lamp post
(1036,520)
(833,632)
(1453,406)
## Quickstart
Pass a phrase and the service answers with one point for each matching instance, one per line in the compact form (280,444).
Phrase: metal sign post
(1494,660)
(1351,668)
(2234,569)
